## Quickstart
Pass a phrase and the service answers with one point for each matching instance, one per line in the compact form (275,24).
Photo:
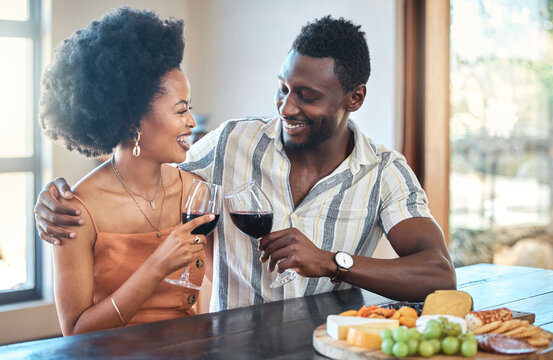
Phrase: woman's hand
(181,247)
(51,215)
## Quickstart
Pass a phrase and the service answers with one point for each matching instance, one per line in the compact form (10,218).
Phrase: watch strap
(339,275)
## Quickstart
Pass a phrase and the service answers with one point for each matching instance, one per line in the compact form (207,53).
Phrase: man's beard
(313,140)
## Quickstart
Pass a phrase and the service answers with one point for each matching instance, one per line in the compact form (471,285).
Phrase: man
(334,192)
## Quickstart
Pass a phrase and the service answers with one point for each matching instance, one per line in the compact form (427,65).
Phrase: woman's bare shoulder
(97,183)
(173,175)
(188,176)
(97,191)
(88,189)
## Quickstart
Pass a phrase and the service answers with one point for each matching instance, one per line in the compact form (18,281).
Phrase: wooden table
(282,329)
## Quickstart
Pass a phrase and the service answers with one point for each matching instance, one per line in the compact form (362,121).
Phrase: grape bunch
(438,336)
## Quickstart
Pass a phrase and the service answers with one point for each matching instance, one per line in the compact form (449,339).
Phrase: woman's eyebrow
(185,102)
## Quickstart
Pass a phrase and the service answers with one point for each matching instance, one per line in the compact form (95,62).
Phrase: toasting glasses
(203,198)
(252,213)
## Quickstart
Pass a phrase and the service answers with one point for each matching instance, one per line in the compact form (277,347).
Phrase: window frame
(30,29)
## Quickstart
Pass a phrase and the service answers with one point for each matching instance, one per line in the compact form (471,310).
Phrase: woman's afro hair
(104,78)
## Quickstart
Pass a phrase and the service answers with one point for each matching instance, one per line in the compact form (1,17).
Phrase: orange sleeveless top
(118,256)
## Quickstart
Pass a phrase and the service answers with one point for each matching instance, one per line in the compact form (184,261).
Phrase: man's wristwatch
(344,262)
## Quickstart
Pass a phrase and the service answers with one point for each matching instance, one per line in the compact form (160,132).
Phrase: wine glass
(203,198)
(252,213)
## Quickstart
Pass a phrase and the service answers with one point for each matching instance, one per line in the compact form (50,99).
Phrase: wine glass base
(186,284)
(287,276)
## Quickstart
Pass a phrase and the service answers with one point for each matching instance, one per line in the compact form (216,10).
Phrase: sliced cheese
(337,326)
(364,337)
(379,324)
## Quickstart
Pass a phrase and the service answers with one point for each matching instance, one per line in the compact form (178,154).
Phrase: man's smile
(292,127)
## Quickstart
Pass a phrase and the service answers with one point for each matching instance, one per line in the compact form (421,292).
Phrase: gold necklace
(152,202)
(157,229)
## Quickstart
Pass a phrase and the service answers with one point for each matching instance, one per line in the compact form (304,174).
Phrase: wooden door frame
(426,100)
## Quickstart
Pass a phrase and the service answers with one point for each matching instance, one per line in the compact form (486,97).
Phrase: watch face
(344,259)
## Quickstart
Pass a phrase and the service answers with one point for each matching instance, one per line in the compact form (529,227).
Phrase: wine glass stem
(284,278)
(185,275)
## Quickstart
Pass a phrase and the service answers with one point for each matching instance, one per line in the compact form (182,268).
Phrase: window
(20,163)
(501,132)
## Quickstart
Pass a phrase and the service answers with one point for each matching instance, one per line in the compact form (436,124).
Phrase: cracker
(507,326)
(546,334)
(538,341)
(376,316)
(484,329)
(528,332)
(517,331)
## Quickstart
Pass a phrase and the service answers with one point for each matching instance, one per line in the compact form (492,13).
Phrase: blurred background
(464,88)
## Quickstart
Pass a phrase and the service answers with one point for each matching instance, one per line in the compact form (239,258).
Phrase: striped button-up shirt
(350,210)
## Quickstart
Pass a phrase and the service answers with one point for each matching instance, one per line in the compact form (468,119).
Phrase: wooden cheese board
(339,349)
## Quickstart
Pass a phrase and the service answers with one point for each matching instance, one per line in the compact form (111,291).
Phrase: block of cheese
(364,337)
(447,302)
(337,326)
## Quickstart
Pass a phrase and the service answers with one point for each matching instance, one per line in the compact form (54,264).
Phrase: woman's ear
(356,97)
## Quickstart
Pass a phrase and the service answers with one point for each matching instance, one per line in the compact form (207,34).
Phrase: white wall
(234,49)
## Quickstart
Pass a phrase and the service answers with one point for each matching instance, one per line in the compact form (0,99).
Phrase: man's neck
(308,166)
(326,155)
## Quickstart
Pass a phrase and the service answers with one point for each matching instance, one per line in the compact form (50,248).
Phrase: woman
(116,84)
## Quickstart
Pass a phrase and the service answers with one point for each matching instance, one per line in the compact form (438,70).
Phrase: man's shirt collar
(364,150)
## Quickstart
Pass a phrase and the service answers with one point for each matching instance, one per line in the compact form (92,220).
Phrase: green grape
(446,328)
(452,329)
(433,321)
(450,345)
(431,331)
(469,336)
(387,345)
(443,322)
(458,329)
(386,334)
(400,349)
(413,345)
(436,344)
(414,334)
(469,348)
(400,334)
(426,349)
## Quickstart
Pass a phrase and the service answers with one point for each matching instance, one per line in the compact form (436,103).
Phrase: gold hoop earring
(136,149)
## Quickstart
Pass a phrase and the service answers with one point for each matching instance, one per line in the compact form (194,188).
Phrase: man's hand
(296,252)
(51,215)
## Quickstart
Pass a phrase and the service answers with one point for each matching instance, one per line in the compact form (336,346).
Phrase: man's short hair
(342,41)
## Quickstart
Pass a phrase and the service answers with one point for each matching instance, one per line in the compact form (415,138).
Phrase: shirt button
(294,217)
(199,263)
(191,299)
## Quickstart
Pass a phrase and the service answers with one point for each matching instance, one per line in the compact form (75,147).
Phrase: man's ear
(355,98)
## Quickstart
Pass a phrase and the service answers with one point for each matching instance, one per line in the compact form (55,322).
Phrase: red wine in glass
(204,229)
(203,199)
(253,224)
(252,213)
